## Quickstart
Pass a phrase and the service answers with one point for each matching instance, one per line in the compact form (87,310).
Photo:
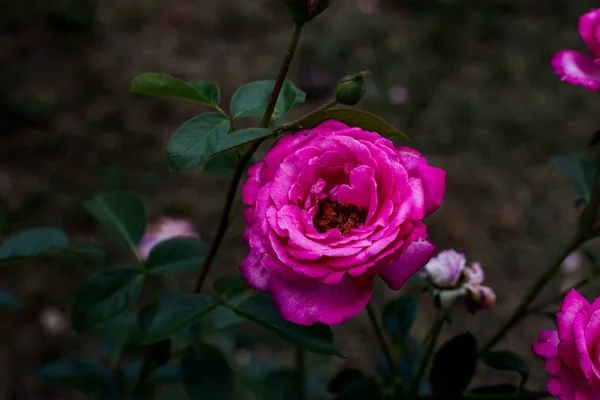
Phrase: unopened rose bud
(303,11)
(350,89)
(445,271)
(443,299)
(480,298)
(164,229)
(474,274)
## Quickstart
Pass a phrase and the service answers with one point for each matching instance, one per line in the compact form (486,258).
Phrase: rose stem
(241,165)
(532,293)
(587,230)
(433,336)
(298,123)
(539,307)
(301,373)
(387,352)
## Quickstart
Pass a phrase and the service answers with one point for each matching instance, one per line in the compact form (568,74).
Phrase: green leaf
(206,374)
(356,118)
(237,138)
(33,242)
(507,361)
(106,295)
(163,85)
(224,318)
(7,300)
(399,316)
(120,336)
(230,285)
(453,366)
(210,91)
(317,338)
(176,255)
(76,373)
(87,249)
(580,170)
(177,311)
(122,213)
(251,99)
(192,141)
(224,163)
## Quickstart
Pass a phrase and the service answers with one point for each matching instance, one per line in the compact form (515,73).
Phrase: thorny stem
(387,352)
(241,165)
(433,336)
(530,296)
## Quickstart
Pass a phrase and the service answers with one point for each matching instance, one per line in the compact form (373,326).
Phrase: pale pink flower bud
(452,278)
(445,270)
(474,274)
(479,297)
(166,228)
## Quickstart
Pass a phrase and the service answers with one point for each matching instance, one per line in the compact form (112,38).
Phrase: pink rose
(571,352)
(330,208)
(578,68)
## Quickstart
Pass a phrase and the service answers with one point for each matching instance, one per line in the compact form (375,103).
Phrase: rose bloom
(578,68)
(166,228)
(330,208)
(572,351)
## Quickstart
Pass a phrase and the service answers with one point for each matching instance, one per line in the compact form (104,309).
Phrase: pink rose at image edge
(330,208)
(166,228)
(571,352)
(578,68)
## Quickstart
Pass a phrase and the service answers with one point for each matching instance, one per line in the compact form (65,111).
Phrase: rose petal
(577,68)
(572,305)
(254,273)
(546,344)
(588,29)
(579,325)
(414,257)
(306,302)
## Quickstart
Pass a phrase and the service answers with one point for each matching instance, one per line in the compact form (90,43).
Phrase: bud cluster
(451,278)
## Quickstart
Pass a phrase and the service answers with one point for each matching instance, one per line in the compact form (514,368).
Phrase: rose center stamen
(332,214)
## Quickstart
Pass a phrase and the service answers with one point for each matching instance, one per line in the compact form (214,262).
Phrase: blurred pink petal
(577,68)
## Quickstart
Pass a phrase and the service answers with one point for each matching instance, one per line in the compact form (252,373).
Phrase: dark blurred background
(468,81)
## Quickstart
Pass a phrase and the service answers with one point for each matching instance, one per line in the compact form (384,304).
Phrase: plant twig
(559,297)
(298,123)
(241,165)
(529,297)
(385,348)
(433,336)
